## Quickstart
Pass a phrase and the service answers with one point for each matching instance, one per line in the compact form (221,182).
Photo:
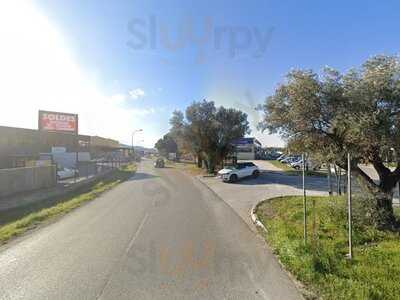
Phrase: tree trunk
(199,161)
(382,206)
(329,180)
(385,218)
(211,163)
(210,166)
(338,173)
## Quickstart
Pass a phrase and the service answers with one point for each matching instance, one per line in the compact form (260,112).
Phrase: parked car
(310,165)
(159,163)
(233,173)
(297,164)
(290,159)
(272,156)
(286,159)
(64,173)
(282,157)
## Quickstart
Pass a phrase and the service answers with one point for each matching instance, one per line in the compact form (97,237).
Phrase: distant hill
(140,148)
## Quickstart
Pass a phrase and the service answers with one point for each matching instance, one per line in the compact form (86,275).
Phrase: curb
(253,214)
(255,219)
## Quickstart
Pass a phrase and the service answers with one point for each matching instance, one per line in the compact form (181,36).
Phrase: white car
(290,159)
(233,173)
(297,164)
(281,157)
(310,165)
(64,173)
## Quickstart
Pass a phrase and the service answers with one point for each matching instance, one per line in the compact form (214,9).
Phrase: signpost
(304,199)
(58,122)
(350,255)
(52,121)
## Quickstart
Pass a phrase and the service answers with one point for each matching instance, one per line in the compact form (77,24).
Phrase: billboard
(58,122)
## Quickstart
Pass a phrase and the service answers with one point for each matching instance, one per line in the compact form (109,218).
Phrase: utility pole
(350,255)
(304,200)
(133,133)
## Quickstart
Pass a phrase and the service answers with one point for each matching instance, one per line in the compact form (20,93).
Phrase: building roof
(246,141)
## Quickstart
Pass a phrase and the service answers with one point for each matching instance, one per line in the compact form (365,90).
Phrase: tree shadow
(142,176)
(315,183)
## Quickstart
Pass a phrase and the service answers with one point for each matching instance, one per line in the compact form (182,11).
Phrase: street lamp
(133,133)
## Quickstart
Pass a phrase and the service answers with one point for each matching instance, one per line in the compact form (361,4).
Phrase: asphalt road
(160,235)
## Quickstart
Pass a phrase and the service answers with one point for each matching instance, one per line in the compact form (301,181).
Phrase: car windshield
(157,149)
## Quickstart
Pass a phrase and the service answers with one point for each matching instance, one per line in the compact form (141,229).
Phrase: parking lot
(243,195)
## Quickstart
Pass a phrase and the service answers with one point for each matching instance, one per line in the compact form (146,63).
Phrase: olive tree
(208,130)
(332,114)
(166,145)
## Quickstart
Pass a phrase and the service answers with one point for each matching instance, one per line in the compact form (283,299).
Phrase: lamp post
(133,133)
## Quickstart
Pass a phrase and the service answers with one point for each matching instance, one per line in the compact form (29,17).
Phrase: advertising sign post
(52,121)
(58,122)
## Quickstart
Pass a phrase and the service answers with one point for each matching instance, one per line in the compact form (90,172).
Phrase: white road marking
(100,296)
(136,233)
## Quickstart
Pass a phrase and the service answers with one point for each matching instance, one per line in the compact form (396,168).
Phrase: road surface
(160,235)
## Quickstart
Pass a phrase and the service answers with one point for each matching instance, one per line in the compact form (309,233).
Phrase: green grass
(189,167)
(321,265)
(32,220)
(292,172)
(397,212)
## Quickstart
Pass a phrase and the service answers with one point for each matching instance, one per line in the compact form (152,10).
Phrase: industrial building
(247,148)
(20,147)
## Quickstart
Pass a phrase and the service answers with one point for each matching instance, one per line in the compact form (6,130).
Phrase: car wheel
(233,178)
(297,167)
(256,173)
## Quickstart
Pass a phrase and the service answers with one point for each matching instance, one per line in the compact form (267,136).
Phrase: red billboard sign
(55,121)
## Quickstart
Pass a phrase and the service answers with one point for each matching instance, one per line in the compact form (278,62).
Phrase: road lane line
(136,233)
(100,296)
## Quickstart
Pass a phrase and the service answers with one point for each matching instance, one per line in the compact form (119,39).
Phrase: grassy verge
(290,171)
(187,166)
(373,273)
(72,201)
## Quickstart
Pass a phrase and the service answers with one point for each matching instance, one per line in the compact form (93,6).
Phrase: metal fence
(90,169)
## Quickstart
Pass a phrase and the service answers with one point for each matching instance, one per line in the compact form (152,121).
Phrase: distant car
(64,173)
(310,165)
(159,163)
(297,164)
(290,159)
(233,173)
(273,156)
(282,157)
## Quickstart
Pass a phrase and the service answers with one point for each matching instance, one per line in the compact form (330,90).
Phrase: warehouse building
(247,148)
(20,147)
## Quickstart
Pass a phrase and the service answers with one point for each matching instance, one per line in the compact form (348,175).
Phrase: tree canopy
(166,145)
(207,131)
(331,114)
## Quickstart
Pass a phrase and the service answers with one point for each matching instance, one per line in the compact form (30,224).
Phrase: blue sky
(113,63)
